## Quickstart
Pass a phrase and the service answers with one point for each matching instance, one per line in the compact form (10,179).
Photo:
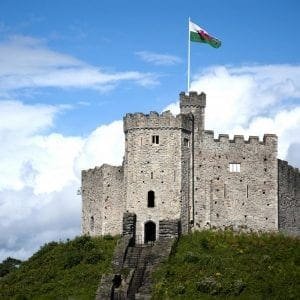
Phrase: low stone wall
(129,223)
(169,229)
(106,286)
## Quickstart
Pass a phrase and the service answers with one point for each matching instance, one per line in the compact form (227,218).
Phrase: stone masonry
(174,169)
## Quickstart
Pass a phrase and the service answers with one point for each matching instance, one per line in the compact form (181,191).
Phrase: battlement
(155,120)
(192,99)
(98,171)
(284,165)
(240,139)
(91,172)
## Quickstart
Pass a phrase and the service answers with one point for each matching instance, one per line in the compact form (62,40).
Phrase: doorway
(150,232)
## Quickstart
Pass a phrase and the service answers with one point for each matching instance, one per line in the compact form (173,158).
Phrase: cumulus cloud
(28,63)
(40,175)
(252,100)
(104,145)
(158,59)
(29,220)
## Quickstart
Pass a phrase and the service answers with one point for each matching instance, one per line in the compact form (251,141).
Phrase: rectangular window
(155,139)
(234,167)
(186,142)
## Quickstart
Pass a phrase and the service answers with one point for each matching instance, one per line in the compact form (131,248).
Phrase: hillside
(214,265)
(203,265)
(60,270)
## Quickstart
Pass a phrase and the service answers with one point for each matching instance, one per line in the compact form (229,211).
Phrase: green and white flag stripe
(198,34)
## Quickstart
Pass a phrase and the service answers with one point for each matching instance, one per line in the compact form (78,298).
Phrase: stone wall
(186,180)
(102,200)
(129,223)
(192,104)
(241,200)
(289,198)
(92,191)
(169,229)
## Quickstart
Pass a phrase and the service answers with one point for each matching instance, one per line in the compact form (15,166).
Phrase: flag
(198,34)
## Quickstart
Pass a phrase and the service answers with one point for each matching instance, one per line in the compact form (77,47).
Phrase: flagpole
(189,58)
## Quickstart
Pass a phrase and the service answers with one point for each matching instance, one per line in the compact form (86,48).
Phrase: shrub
(64,270)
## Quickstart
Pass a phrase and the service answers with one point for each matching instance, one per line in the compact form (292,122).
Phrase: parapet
(284,165)
(99,171)
(91,172)
(154,120)
(192,99)
(240,139)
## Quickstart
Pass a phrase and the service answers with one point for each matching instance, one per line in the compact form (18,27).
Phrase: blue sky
(108,34)
(70,70)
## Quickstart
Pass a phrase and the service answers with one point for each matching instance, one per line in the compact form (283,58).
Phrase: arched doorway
(150,232)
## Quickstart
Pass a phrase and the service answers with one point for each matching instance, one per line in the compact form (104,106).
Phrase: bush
(209,285)
(64,270)
(8,265)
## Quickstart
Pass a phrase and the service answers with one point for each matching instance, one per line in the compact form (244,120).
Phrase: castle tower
(194,105)
(156,170)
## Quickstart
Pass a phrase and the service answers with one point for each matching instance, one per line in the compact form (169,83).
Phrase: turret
(194,103)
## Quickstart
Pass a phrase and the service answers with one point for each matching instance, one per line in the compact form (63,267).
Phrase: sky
(70,71)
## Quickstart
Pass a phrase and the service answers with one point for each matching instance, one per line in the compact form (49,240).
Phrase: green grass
(64,270)
(214,265)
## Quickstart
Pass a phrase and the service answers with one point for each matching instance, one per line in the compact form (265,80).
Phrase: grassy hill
(216,265)
(61,270)
(203,265)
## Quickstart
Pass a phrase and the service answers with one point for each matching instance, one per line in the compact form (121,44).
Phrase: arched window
(151,199)
(92,223)
(150,232)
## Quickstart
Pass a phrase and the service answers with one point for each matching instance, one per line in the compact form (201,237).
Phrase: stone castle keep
(176,177)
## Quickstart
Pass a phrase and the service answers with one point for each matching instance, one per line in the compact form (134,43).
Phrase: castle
(176,177)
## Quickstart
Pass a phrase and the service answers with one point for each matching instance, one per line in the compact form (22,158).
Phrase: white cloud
(40,175)
(158,59)
(104,145)
(173,108)
(252,100)
(28,63)
(29,220)
(21,119)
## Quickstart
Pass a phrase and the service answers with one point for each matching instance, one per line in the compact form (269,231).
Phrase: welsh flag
(198,34)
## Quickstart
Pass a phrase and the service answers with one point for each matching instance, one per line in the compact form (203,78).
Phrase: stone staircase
(133,263)
(138,277)
(131,277)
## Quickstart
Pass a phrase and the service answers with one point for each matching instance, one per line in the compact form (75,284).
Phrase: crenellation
(164,120)
(209,133)
(192,99)
(238,139)
(268,139)
(223,138)
(253,139)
